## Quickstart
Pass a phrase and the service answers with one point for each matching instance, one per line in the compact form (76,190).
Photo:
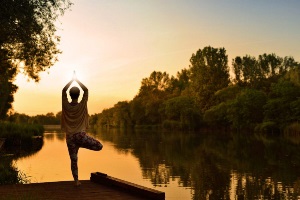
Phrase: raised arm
(81,85)
(67,86)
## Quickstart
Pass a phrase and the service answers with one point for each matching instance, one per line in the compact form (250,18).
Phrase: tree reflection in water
(215,165)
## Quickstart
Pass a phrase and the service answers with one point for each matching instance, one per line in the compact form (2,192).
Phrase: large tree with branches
(28,43)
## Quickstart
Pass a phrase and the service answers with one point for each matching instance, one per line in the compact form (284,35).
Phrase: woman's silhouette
(75,123)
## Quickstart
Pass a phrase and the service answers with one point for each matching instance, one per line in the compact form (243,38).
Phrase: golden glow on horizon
(112,53)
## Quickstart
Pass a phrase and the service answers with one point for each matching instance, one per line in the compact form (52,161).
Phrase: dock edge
(148,193)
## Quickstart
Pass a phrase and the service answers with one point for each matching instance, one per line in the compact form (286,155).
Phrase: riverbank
(15,133)
(17,140)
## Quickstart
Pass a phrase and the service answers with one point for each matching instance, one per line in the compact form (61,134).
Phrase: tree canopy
(262,94)
(28,43)
(209,73)
(28,33)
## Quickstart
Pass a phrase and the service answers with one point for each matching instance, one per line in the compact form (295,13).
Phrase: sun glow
(111,54)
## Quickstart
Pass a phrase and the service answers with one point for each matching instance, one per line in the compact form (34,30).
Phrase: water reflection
(184,165)
(49,136)
(55,135)
(24,149)
(216,166)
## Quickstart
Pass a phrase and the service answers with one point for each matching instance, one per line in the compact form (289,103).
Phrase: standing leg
(86,141)
(73,151)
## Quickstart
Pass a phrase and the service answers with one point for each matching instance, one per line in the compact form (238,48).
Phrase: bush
(9,173)
(267,128)
(20,132)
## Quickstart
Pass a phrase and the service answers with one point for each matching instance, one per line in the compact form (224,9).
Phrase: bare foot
(77,183)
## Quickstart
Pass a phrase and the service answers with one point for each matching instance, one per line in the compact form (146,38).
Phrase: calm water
(183,165)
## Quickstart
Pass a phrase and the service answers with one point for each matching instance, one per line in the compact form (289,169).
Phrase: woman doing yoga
(75,122)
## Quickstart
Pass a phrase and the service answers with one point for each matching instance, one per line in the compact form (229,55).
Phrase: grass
(19,138)
(9,174)
(13,131)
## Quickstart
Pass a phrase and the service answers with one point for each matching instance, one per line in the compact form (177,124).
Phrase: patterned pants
(83,140)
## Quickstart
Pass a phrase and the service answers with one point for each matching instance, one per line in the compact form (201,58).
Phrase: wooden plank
(148,193)
(63,190)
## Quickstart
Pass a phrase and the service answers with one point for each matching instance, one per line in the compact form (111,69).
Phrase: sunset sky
(113,45)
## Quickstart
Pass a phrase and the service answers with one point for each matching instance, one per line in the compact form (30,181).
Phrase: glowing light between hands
(74,75)
(79,76)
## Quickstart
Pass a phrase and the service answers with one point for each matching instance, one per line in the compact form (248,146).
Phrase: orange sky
(113,45)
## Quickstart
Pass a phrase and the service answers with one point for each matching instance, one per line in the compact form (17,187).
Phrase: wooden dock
(148,193)
(96,188)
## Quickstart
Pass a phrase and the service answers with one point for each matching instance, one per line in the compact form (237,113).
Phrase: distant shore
(51,127)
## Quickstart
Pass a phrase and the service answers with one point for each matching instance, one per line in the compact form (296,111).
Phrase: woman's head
(74,92)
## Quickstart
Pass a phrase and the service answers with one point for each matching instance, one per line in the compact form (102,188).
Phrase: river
(186,166)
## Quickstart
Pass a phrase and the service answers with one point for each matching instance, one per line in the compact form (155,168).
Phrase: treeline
(260,93)
(48,119)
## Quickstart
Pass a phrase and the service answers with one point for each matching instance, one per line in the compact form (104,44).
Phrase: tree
(247,70)
(122,114)
(152,93)
(261,72)
(237,69)
(7,88)
(28,43)
(293,75)
(209,73)
(179,83)
(48,119)
(58,116)
(283,104)
(246,110)
(181,109)
(218,115)
(106,118)
(93,119)
(19,118)
(137,111)
(158,82)
(270,64)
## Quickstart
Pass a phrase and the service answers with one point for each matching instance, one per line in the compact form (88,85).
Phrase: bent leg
(88,142)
